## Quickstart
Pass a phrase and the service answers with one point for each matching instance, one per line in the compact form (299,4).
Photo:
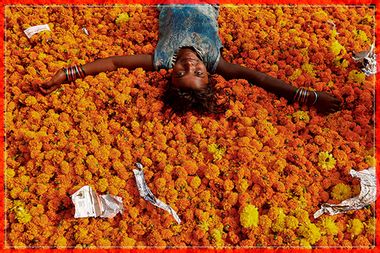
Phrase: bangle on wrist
(66,73)
(316,97)
(302,96)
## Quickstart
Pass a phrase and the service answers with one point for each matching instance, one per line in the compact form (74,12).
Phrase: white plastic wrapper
(89,204)
(332,24)
(148,195)
(84,29)
(367,60)
(36,29)
(367,195)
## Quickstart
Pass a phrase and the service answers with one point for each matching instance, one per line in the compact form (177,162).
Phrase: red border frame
(83,2)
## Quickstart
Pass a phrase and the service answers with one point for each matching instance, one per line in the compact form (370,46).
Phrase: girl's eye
(179,74)
(198,73)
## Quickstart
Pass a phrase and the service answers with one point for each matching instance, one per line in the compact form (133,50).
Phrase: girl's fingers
(48,90)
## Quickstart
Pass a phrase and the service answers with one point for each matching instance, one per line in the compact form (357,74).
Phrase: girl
(189,45)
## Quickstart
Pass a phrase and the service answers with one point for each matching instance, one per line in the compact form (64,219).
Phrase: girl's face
(189,71)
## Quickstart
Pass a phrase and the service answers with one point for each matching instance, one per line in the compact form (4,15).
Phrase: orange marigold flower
(190,166)
(228,185)
(212,171)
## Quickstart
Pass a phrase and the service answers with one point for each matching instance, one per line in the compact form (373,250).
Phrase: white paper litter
(148,195)
(367,60)
(367,195)
(89,204)
(36,29)
(84,29)
(330,22)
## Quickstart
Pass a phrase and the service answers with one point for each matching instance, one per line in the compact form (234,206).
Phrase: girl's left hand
(327,103)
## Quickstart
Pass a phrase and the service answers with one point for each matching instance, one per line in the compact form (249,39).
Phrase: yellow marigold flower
(336,48)
(127,241)
(102,185)
(242,185)
(361,35)
(135,124)
(228,113)
(355,227)
(295,74)
(60,242)
(122,18)
(103,242)
(338,61)
(370,160)
(204,225)
(310,232)
(291,222)
(195,182)
(371,226)
(15,192)
(320,15)
(278,224)
(328,226)
(22,215)
(35,115)
(9,173)
(197,128)
(249,216)
(217,236)
(216,151)
(81,234)
(341,192)
(309,69)
(304,243)
(302,116)
(87,175)
(326,160)
(356,76)
(30,100)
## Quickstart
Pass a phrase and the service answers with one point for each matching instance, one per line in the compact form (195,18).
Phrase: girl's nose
(189,63)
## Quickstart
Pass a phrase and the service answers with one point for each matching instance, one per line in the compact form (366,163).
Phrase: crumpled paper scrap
(148,195)
(367,195)
(29,32)
(89,204)
(367,60)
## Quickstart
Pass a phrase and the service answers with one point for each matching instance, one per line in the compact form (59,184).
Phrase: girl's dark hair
(183,100)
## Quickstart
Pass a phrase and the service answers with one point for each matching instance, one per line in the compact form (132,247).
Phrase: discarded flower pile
(251,177)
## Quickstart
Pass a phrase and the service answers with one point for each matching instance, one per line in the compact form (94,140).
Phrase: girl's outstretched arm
(324,102)
(101,65)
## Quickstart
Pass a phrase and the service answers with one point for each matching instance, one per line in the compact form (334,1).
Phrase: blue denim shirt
(188,26)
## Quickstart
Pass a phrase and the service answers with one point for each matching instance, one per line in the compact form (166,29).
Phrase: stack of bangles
(74,72)
(302,96)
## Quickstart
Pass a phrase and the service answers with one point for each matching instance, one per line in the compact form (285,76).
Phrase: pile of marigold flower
(251,177)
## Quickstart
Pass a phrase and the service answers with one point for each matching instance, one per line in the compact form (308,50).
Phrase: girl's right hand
(53,83)
(327,103)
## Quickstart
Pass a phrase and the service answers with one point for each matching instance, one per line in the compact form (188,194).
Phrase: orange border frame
(152,2)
